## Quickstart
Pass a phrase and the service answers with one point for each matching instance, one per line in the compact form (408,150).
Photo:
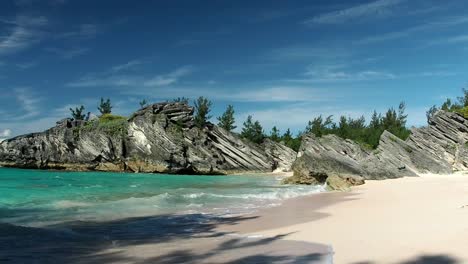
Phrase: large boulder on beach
(158,138)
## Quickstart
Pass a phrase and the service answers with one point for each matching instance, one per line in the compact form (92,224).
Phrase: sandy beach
(408,220)
(393,221)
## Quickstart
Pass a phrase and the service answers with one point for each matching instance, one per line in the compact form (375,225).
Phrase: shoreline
(389,221)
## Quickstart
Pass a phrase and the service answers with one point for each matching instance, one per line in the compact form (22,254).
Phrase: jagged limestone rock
(282,155)
(158,138)
(440,148)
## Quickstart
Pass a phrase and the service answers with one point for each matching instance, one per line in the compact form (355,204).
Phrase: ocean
(36,198)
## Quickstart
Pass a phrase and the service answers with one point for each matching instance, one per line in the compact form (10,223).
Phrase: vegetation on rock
(202,110)
(113,125)
(143,103)
(459,106)
(105,107)
(356,129)
(78,113)
(227,120)
(253,131)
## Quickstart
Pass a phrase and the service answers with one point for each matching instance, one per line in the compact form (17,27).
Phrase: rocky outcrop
(445,139)
(159,138)
(282,156)
(439,148)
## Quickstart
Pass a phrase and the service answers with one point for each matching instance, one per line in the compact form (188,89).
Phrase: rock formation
(440,148)
(158,138)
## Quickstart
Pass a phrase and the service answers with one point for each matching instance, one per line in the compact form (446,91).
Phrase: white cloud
(112,79)
(379,8)
(279,94)
(68,53)
(170,78)
(307,52)
(126,66)
(25,31)
(337,73)
(84,31)
(26,65)
(5,133)
(425,27)
(451,40)
(28,102)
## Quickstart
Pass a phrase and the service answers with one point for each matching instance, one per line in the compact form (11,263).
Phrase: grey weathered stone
(282,155)
(158,138)
(439,148)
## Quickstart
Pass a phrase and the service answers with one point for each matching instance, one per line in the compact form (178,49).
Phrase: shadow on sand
(192,238)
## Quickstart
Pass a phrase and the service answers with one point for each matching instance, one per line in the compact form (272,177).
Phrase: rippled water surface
(36,198)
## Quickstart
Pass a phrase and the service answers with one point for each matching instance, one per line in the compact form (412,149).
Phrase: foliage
(227,120)
(460,106)
(432,111)
(275,134)
(253,131)
(77,113)
(202,110)
(290,141)
(143,103)
(356,129)
(182,100)
(112,125)
(105,107)
(319,127)
(463,111)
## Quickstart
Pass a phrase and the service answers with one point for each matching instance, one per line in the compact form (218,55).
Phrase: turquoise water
(38,198)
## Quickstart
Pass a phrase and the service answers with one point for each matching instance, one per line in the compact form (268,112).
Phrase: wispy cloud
(450,40)
(24,32)
(339,73)
(425,27)
(31,2)
(5,133)
(170,78)
(306,53)
(84,31)
(124,80)
(380,8)
(68,53)
(28,103)
(126,66)
(26,65)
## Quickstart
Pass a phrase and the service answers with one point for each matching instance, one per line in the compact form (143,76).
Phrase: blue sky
(284,62)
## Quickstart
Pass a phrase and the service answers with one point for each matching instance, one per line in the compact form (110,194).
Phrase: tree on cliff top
(105,107)
(143,103)
(253,131)
(78,113)
(202,110)
(227,120)
(183,100)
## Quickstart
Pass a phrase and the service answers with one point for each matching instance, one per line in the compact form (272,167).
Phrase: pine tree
(275,134)
(143,103)
(253,131)
(202,110)
(227,120)
(431,112)
(78,113)
(182,100)
(105,107)
(463,99)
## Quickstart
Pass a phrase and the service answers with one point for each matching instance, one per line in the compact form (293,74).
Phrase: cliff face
(158,138)
(440,148)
